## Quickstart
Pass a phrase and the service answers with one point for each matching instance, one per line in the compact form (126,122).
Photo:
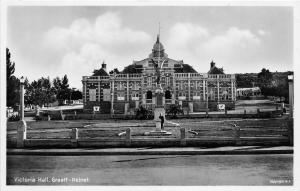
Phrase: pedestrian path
(241,150)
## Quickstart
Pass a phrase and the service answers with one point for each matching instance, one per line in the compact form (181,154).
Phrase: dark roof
(132,69)
(100,72)
(184,68)
(214,69)
(179,68)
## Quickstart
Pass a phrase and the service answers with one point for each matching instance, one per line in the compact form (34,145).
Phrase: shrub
(14,118)
(173,110)
(143,113)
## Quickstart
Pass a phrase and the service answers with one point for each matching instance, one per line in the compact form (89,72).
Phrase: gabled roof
(100,72)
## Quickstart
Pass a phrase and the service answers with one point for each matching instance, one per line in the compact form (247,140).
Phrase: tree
(173,110)
(61,88)
(40,92)
(65,82)
(143,113)
(57,84)
(76,95)
(12,91)
(246,80)
(265,77)
(114,71)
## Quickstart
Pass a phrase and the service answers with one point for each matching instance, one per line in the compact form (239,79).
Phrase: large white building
(123,92)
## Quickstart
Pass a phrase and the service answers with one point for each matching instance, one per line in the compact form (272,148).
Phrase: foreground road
(151,170)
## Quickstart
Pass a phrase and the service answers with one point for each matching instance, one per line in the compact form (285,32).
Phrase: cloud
(183,34)
(84,44)
(198,45)
(107,30)
(261,32)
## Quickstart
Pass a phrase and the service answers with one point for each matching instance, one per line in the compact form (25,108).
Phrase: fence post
(258,112)
(182,137)
(290,124)
(94,114)
(62,115)
(238,135)
(74,136)
(21,134)
(75,114)
(128,137)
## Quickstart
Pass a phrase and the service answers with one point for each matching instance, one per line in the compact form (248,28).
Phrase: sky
(57,40)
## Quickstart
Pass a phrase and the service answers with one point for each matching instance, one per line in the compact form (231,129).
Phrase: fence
(90,116)
(215,136)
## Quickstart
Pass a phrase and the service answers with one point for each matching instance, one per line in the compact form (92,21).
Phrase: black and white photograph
(147,94)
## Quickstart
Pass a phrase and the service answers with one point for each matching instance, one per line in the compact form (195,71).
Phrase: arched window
(168,94)
(149,95)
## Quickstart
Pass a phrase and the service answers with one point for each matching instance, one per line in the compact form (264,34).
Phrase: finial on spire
(158,28)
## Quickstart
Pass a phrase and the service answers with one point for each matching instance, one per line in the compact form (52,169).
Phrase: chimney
(104,66)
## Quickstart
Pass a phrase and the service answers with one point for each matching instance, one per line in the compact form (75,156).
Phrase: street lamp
(22,80)
(21,129)
(291,93)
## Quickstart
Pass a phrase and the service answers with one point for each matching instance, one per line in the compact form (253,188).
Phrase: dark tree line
(270,83)
(40,92)
(43,92)
(12,90)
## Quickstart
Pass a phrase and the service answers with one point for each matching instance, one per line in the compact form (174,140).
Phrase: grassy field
(196,128)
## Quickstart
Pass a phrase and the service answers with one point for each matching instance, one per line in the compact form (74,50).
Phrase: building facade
(122,93)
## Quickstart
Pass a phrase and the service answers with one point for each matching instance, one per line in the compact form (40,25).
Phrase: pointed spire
(157,39)
(158,35)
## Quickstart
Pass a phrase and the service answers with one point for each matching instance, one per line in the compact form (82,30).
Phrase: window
(149,81)
(198,85)
(120,97)
(136,86)
(92,94)
(106,95)
(196,96)
(167,81)
(135,96)
(211,94)
(120,86)
(168,94)
(224,93)
(149,95)
(181,86)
